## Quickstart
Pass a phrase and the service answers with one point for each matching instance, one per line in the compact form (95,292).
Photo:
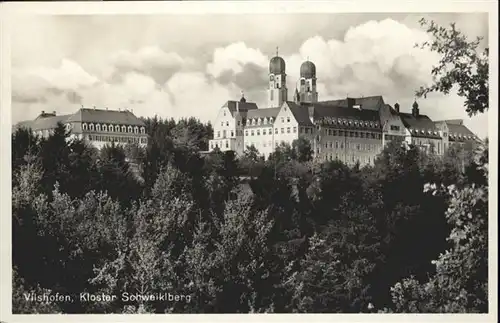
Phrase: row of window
(353,134)
(112,128)
(350,145)
(142,140)
(346,122)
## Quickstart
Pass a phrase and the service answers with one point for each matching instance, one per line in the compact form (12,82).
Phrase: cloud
(151,61)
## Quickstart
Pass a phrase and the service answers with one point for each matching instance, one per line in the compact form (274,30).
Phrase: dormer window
(117,128)
(136,129)
(91,127)
(129,129)
(104,127)
(110,127)
(143,130)
(98,127)
(124,129)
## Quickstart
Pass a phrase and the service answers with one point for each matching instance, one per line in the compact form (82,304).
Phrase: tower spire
(277,50)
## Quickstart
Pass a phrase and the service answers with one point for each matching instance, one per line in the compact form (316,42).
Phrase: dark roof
(367,103)
(418,124)
(300,113)
(277,65)
(459,132)
(242,106)
(263,113)
(308,70)
(347,117)
(106,116)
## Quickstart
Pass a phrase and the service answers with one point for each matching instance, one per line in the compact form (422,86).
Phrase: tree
(460,65)
(303,149)
(460,283)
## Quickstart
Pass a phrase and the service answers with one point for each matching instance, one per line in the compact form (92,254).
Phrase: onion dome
(277,65)
(308,70)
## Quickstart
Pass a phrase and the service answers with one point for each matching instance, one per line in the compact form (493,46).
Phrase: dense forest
(246,235)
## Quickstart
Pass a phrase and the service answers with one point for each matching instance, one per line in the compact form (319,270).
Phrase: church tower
(307,92)
(277,92)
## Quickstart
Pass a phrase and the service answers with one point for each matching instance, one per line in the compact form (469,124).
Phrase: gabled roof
(420,126)
(242,106)
(459,132)
(300,113)
(106,116)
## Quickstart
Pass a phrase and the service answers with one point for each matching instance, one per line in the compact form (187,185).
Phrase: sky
(190,65)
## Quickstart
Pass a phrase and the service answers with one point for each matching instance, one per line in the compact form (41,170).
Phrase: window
(341,133)
(356,134)
(282,130)
(91,127)
(358,147)
(396,128)
(239,123)
(258,132)
(84,126)
(124,129)
(232,133)
(361,134)
(224,133)
(331,144)
(294,129)
(252,133)
(264,132)
(341,145)
(287,119)
(276,130)
(288,130)
(351,134)
(218,134)
(282,119)
(227,144)
(246,132)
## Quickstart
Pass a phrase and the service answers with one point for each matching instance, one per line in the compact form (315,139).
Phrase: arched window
(136,129)
(91,127)
(117,128)
(129,129)
(143,130)
(124,129)
(98,127)
(84,126)
(104,127)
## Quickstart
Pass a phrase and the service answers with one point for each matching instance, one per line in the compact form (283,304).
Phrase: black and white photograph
(248,162)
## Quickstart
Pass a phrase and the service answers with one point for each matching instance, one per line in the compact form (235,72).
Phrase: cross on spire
(277,50)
